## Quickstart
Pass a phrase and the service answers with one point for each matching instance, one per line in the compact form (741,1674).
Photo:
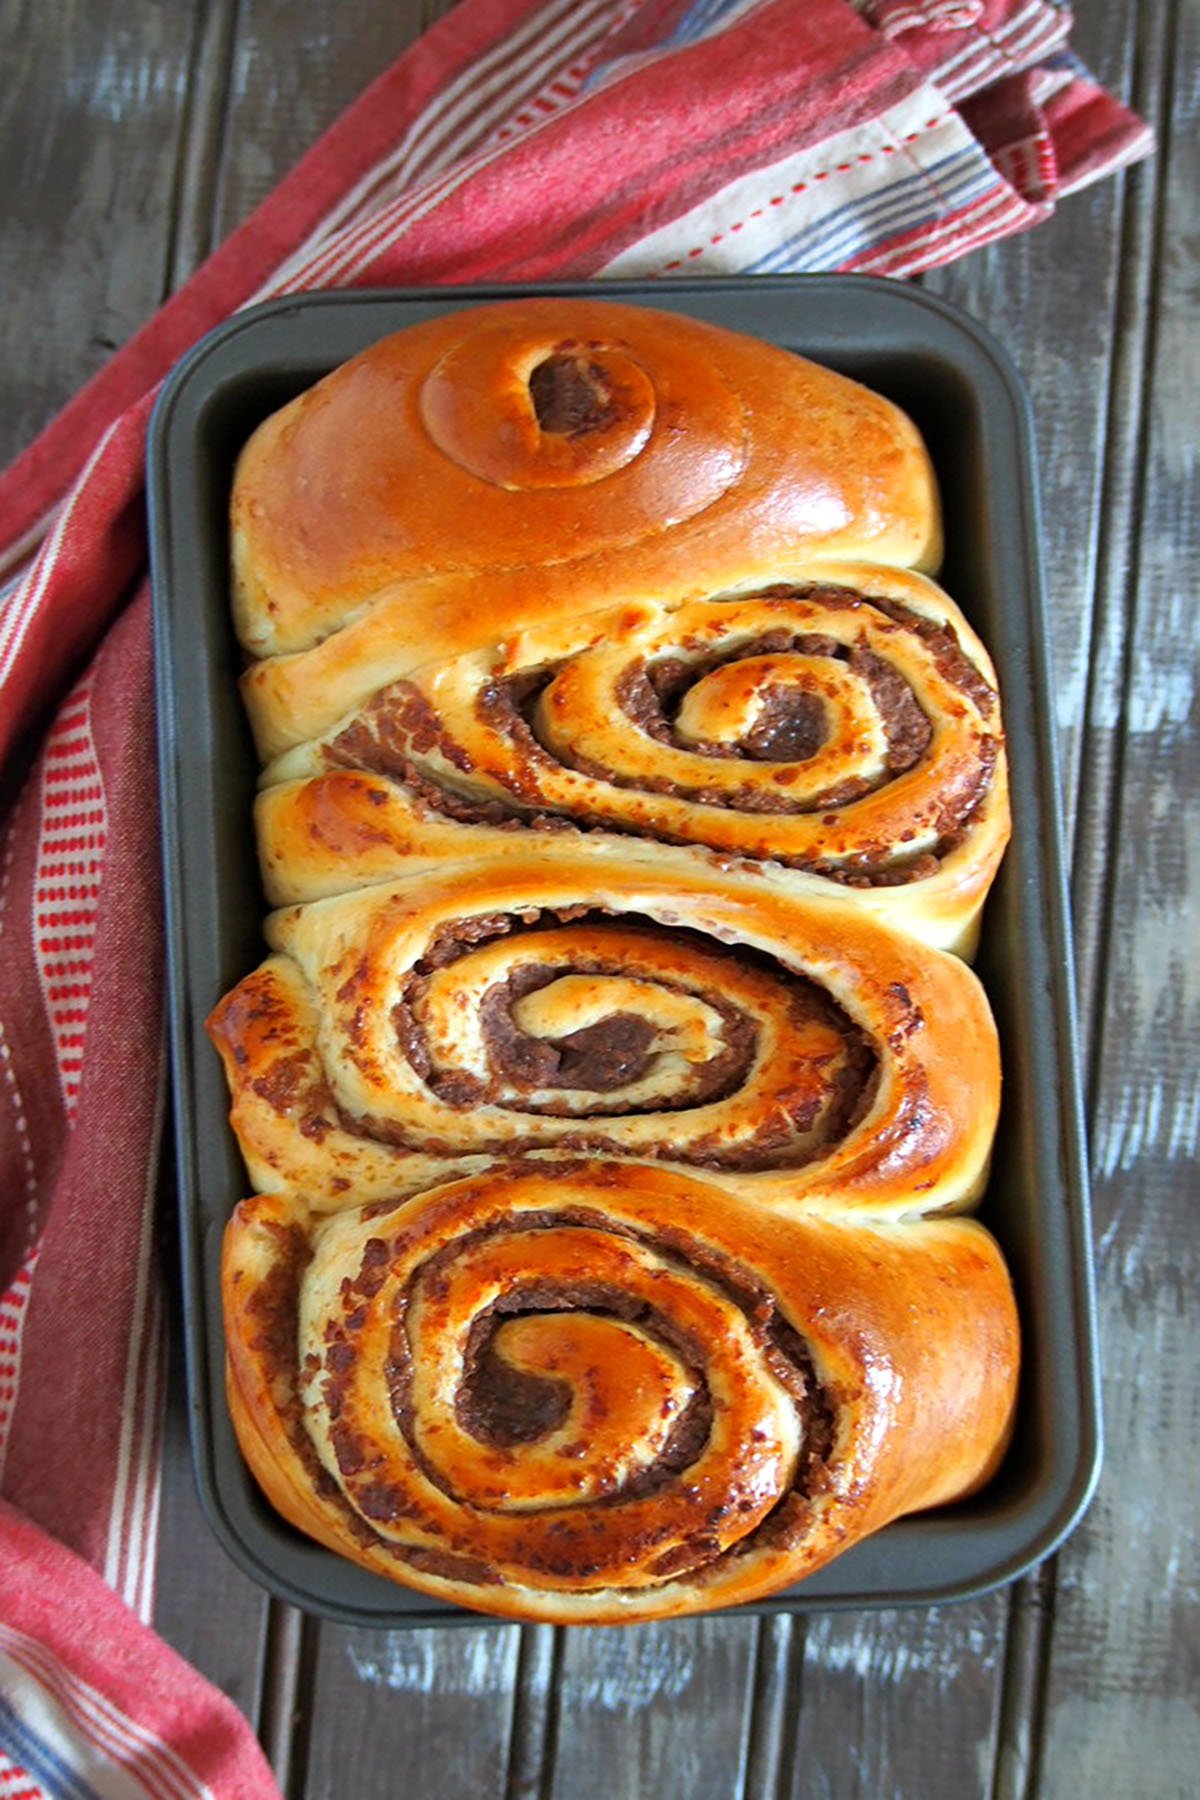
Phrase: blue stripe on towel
(40,1759)
(920,199)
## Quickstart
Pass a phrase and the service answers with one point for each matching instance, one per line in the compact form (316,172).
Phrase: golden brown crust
(707,1406)
(399,512)
(844,724)
(608,1081)
(406,1032)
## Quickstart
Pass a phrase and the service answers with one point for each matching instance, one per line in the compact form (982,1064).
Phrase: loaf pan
(964,395)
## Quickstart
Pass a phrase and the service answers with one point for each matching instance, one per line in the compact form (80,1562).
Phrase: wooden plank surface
(660,1709)
(139,136)
(1121,1696)
(86,217)
(439,1702)
(97,115)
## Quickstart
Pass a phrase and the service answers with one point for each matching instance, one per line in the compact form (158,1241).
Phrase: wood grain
(1050,298)
(137,136)
(86,215)
(659,1709)
(897,1704)
(293,70)
(1121,1713)
(1054,298)
(434,1707)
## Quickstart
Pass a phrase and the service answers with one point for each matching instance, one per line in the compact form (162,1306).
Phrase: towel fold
(528,140)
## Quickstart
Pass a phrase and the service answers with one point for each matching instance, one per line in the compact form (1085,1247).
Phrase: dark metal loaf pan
(963,394)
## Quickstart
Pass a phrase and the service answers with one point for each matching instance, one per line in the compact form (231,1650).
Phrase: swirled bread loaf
(627,780)
(476,477)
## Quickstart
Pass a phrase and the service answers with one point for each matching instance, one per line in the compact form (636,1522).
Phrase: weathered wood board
(133,138)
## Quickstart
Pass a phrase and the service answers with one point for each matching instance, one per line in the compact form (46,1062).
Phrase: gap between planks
(285,1710)
(291,1638)
(1024,1688)
(533,1732)
(776,1698)
(1134,337)
(200,164)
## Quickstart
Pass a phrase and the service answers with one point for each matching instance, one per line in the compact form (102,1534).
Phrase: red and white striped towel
(880,136)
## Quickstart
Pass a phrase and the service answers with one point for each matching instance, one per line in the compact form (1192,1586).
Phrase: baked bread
(600,1392)
(627,781)
(842,722)
(538,459)
(617,1002)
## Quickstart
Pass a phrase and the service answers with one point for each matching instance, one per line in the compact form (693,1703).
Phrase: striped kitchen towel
(92,1705)
(734,136)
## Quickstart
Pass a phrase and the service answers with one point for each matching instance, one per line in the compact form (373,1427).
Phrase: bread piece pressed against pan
(627,779)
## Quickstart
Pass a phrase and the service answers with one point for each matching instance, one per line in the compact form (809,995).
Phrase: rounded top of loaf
(515,460)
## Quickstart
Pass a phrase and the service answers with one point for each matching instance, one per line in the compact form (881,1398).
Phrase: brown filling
(397,725)
(571,395)
(275,1308)
(783,1347)
(953,663)
(287,1081)
(400,725)
(792,724)
(907,729)
(598,1057)
(506,1407)
(501,1405)
(791,727)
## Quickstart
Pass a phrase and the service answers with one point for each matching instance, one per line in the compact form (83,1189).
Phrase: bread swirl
(845,724)
(432,496)
(596,1393)
(552,1000)
(627,779)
